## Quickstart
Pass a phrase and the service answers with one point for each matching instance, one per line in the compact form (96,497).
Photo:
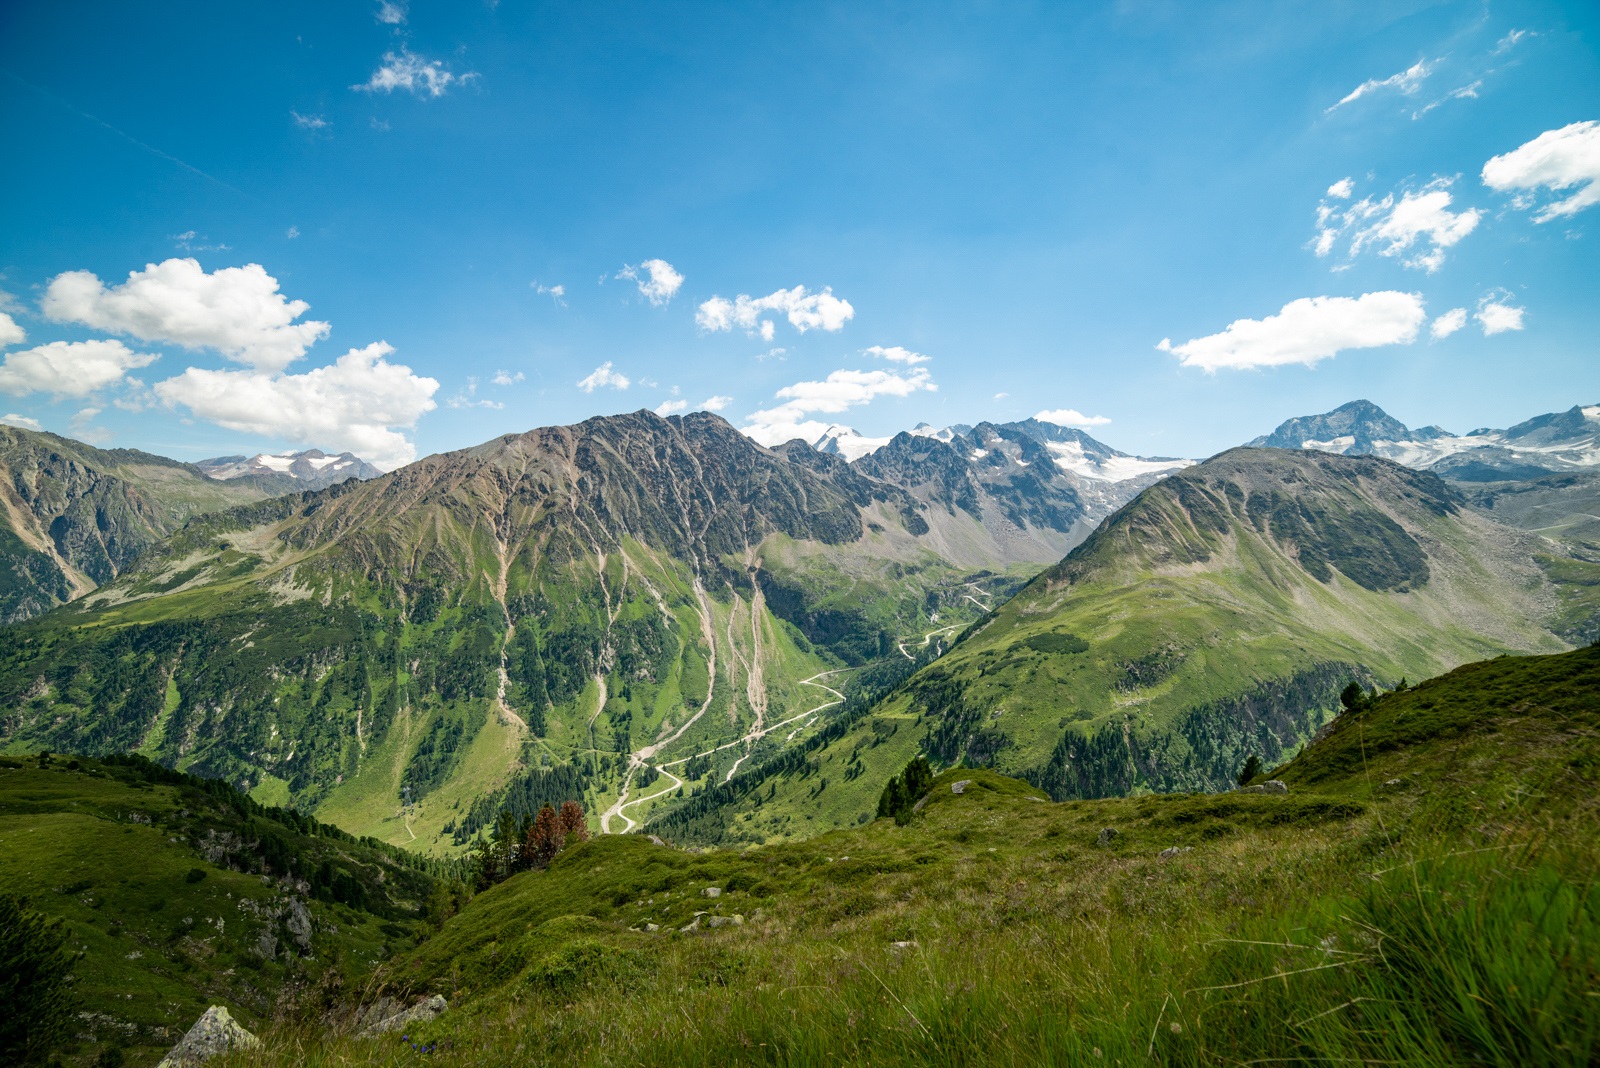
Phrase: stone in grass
(711,891)
(1271,786)
(736,920)
(1175,851)
(421,1012)
(215,1033)
(1105,836)
(960,787)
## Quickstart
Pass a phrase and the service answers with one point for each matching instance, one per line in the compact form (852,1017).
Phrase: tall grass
(1476,958)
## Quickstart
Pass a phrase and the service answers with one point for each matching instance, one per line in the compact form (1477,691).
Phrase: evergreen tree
(1252,768)
(1353,697)
(35,983)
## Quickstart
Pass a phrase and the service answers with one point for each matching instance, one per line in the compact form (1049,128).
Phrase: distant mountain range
(309,469)
(1557,443)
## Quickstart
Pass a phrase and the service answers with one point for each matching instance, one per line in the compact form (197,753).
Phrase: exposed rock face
(421,1012)
(215,1033)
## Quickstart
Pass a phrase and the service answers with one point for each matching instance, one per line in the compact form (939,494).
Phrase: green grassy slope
(1425,894)
(181,894)
(1216,616)
(73,516)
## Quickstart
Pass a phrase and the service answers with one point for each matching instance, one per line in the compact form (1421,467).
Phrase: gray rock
(711,891)
(903,945)
(1105,836)
(923,800)
(692,925)
(1174,851)
(652,927)
(654,840)
(298,924)
(1393,782)
(421,1012)
(215,1033)
(1271,786)
(960,787)
(725,921)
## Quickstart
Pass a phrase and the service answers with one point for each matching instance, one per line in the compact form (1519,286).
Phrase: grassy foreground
(1424,894)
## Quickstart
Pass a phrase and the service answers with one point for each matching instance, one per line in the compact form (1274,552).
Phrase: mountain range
(1557,443)
(656,613)
(291,471)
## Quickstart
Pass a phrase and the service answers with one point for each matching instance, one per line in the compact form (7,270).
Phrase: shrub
(35,983)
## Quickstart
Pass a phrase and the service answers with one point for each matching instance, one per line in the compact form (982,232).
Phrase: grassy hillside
(1425,893)
(1216,617)
(181,893)
(73,517)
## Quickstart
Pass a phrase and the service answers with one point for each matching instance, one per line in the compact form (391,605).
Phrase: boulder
(215,1033)
(655,840)
(1105,836)
(711,891)
(960,787)
(1271,786)
(1174,851)
(421,1012)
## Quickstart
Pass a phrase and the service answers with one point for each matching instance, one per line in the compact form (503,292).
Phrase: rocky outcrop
(215,1033)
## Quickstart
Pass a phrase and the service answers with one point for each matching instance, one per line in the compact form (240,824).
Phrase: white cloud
(715,404)
(1496,316)
(466,398)
(10,332)
(189,241)
(1071,417)
(1001,396)
(292,233)
(415,74)
(1509,41)
(661,284)
(1466,92)
(1417,228)
(840,391)
(1407,82)
(392,12)
(896,354)
(1342,189)
(237,310)
(24,421)
(556,293)
(69,368)
(82,427)
(360,403)
(1568,158)
(506,378)
(1448,323)
(309,122)
(1306,331)
(805,311)
(603,376)
(666,408)
(773,354)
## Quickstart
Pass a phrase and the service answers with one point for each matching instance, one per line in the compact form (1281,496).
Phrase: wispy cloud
(1497,315)
(1071,417)
(897,354)
(1416,228)
(839,392)
(1406,82)
(506,378)
(468,397)
(392,12)
(415,74)
(309,122)
(557,293)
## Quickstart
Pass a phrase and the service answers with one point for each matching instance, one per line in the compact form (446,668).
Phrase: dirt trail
(926,638)
(641,757)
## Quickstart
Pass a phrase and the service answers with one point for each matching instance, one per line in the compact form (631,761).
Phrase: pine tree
(35,983)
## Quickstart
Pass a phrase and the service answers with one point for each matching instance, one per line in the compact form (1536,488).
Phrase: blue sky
(992,210)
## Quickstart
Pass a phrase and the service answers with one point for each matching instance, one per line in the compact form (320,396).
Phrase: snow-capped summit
(846,442)
(312,467)
(1543,445)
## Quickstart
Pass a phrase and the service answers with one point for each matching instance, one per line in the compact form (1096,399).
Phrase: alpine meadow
(683,534)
